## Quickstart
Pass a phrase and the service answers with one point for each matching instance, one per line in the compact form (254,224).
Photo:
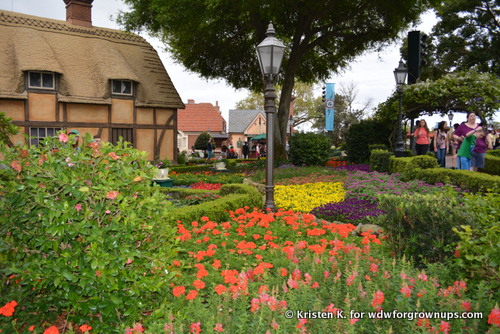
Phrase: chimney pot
(79,12)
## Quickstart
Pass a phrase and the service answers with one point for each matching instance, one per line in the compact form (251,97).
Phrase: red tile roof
(200,117)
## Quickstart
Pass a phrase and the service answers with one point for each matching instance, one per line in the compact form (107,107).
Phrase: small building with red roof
(197,118)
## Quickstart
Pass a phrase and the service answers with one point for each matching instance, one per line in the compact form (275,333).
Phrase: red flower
(178,290)
(195,328)
(8,309)
(378,299)
(406,291)
(494,317)
(199,284)
(220,289)
(192,294)
(444,327)
(85,328)
(51,330)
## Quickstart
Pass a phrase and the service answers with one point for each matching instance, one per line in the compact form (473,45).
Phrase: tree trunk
(281,126)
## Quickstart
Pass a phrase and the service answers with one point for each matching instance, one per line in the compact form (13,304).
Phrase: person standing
(210,149)
(441,143)
(223,149)
(467,146)
(478,154)
(421,136)
(462,130)
(245,150)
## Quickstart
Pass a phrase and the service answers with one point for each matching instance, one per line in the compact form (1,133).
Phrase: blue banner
(329,103)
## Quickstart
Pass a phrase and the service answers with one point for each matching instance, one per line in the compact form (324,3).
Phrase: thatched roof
(86,58)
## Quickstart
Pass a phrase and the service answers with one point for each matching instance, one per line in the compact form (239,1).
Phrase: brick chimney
(79,12)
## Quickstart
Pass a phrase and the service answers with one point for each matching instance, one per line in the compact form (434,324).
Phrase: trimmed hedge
(407,166)
(492,163)
(473,181)
(191,169)
(233,196)
(420,226)
(179,193)
(380,160)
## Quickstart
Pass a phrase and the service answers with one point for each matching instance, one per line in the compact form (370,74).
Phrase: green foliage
(309,149)
(191,169)
(360,136)
(380,160)
(473,181)
(478,251)
(420,226)
(492,163)
(232,197)
(408,166)
(187,179)
(330,37)
(182,158)
(202,141)
(179,193)
(7,129)
(466,36)
(467,91)
(82,232)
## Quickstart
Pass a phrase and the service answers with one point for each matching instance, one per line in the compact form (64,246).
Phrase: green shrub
(478,253)
(191,169)
(218,210)
(408,165)
(420,226)
(380,160)
(202,141)
(182,158)
(495,153)
(83,234)
(372,147)
(179,193)
(309,149)
(363,134)
(491,163)
(473,181)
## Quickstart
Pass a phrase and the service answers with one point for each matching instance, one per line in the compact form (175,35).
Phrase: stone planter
(162,174)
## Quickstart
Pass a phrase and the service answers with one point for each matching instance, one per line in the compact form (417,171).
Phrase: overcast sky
(372,73)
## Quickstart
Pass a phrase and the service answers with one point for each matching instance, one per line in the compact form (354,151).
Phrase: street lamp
(400,76)
(270,53)
(450,117)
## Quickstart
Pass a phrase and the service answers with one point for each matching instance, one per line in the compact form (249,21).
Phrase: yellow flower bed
(305,197)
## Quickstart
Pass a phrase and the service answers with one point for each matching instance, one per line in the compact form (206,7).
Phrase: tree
(458,92)
(304,103)
(467,36)
(345,113)
(217,39)
(202,141)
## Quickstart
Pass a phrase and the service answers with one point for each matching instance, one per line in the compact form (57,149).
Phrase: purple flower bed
(355,168)
(353,210)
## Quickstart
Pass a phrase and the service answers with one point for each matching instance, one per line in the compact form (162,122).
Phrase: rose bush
(81,233)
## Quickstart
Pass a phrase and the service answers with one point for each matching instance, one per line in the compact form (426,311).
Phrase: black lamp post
(400,76)
(450,117)
(270,53)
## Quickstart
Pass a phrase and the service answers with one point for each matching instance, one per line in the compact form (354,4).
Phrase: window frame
(35,140)
(132,90)
(42,74)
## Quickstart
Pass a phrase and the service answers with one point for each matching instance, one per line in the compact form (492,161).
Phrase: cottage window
(41,80)
(37,134)
(122,87)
